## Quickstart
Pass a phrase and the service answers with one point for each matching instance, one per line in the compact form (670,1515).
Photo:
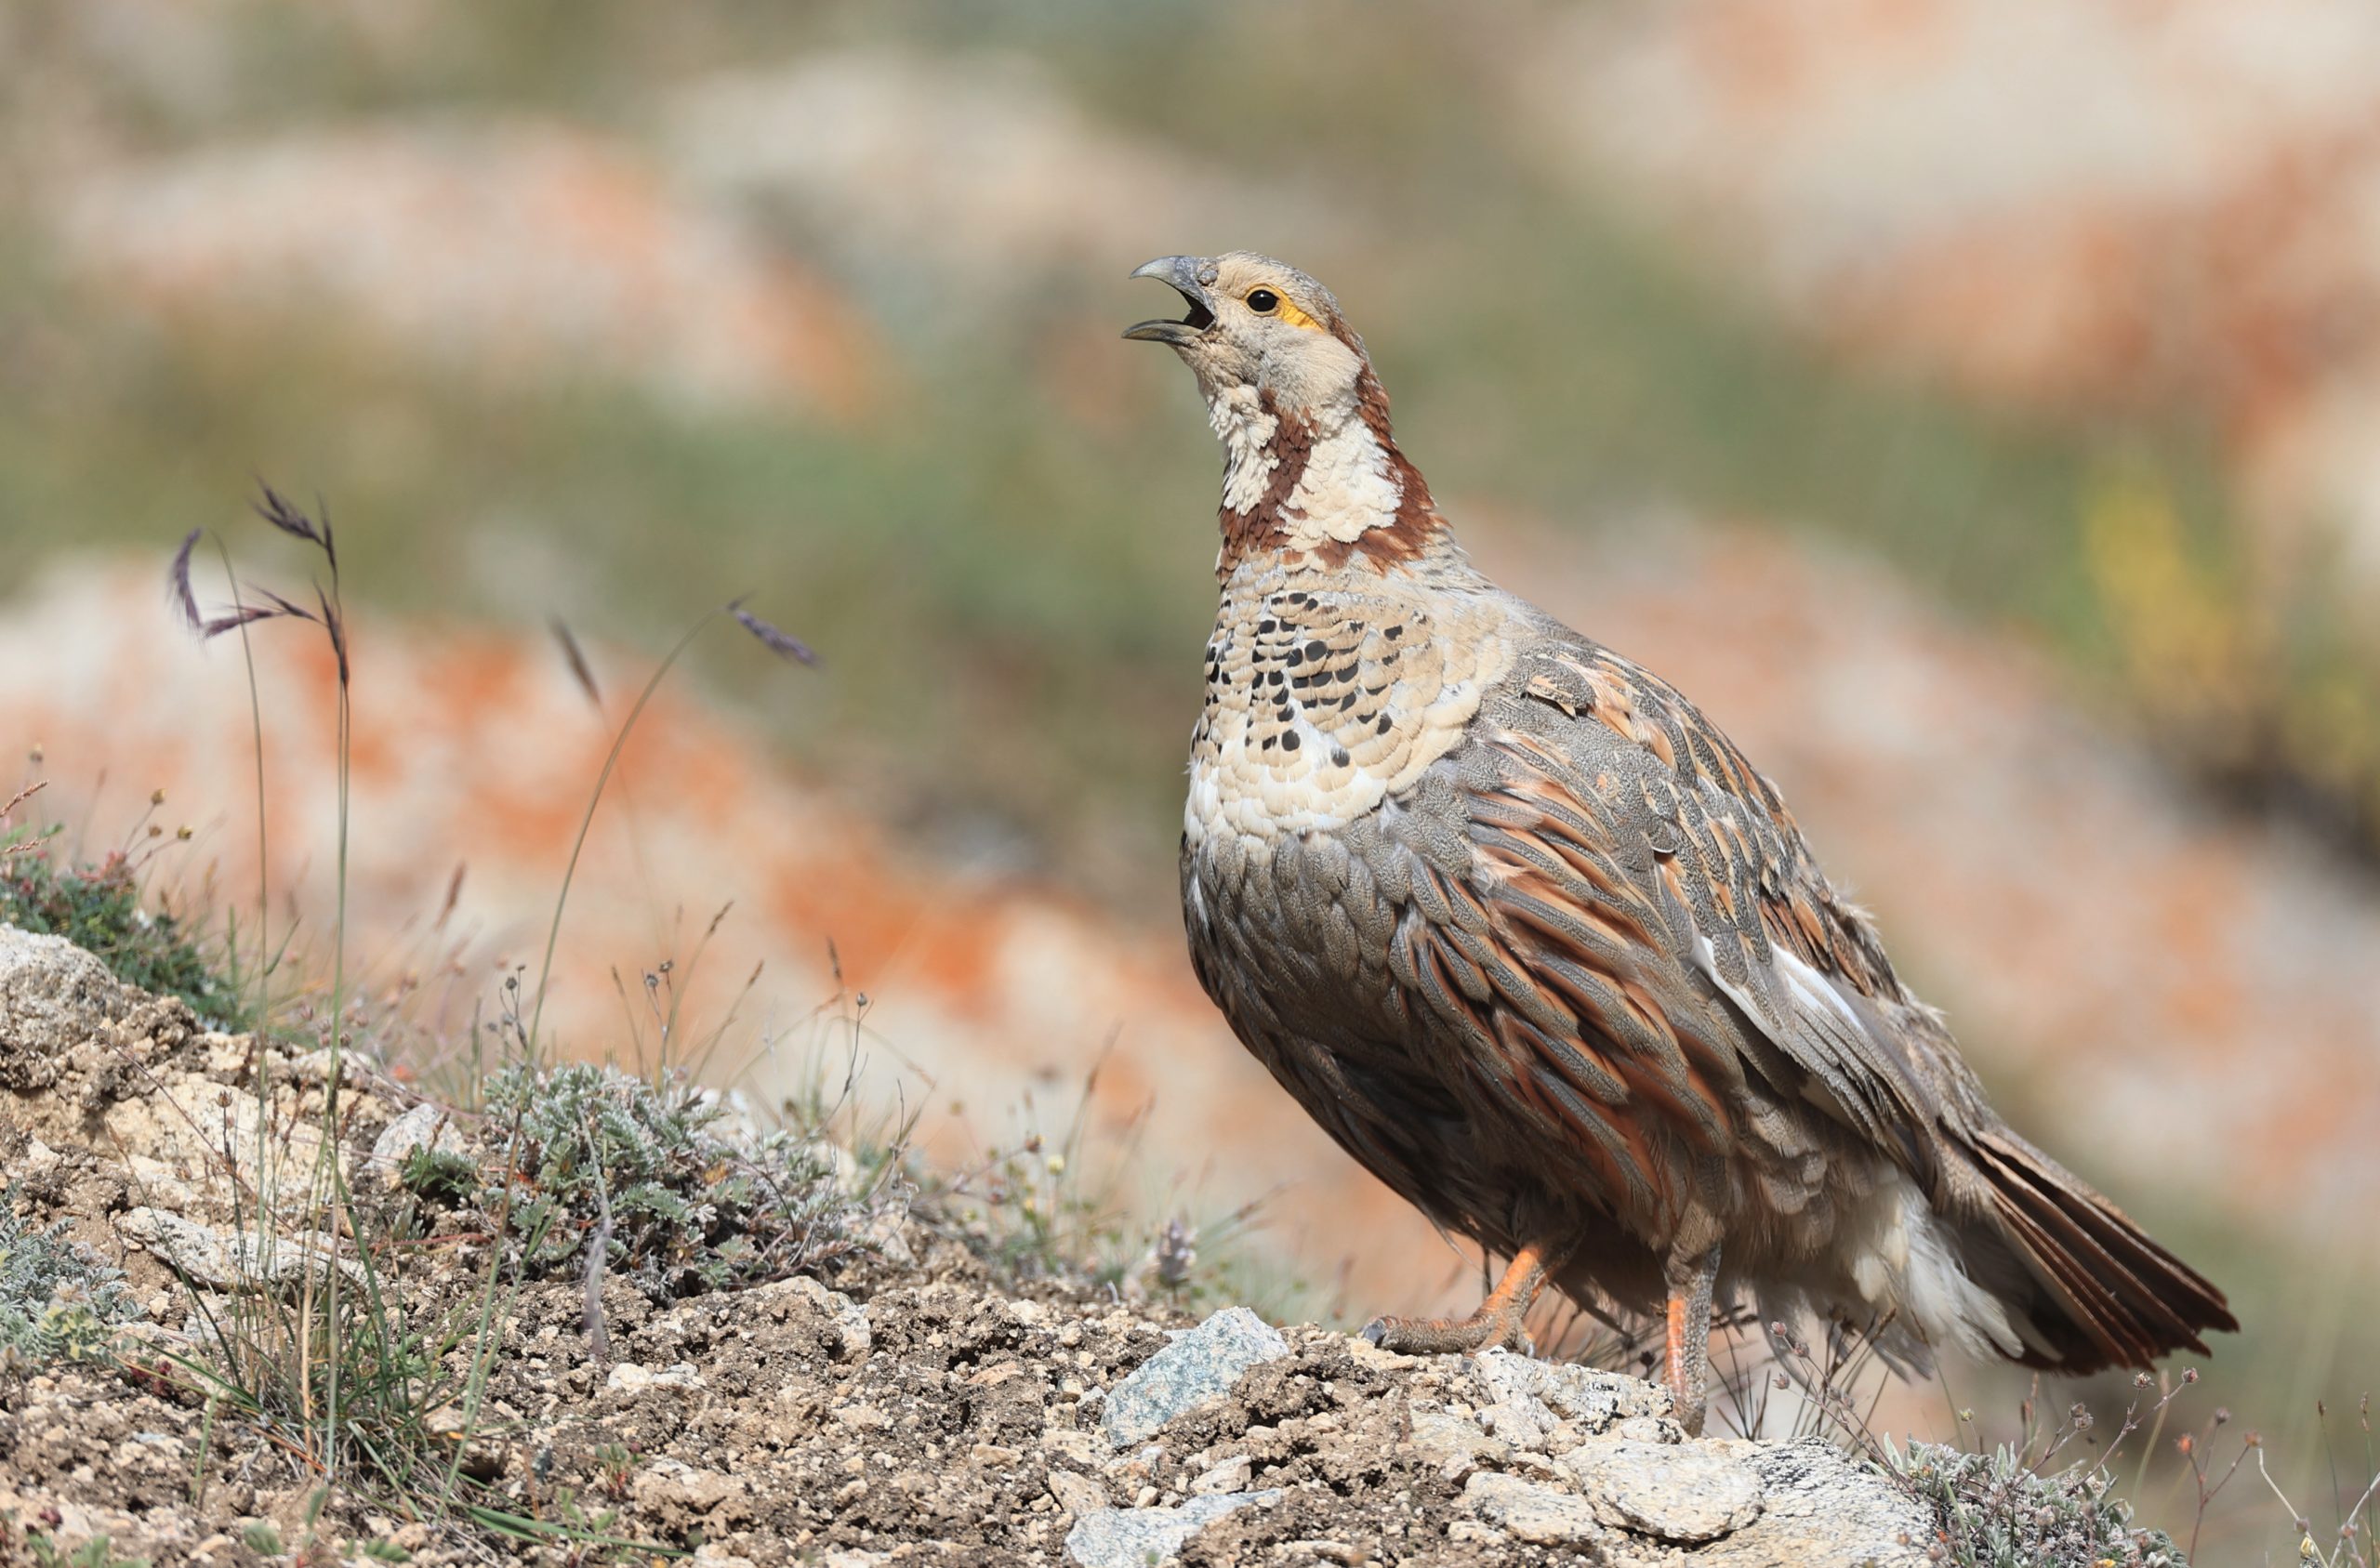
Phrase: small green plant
(261,1538)
(97,908)
(440,1175)
(679,1200)
(615,1467)
(58,1302)
(2000,1510)
(586,1535)
(96,1553)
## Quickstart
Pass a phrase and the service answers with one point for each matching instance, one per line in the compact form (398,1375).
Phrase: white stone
(1232,1475)
(628,1377)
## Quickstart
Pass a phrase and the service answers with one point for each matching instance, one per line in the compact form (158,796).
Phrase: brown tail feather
(2114,1297)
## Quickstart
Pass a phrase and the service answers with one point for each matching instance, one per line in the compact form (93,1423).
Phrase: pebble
(628,1377)
(1232,1475)
(1079,1494)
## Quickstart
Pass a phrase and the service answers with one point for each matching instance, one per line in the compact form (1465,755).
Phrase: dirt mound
(910,1410)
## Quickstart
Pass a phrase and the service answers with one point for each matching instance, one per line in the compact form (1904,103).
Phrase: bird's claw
(1434,1337)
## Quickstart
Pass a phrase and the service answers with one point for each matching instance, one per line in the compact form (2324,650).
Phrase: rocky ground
(907,1409)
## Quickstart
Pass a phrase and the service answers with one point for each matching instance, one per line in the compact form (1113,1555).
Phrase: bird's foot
(1500,1320)
(1439,1336)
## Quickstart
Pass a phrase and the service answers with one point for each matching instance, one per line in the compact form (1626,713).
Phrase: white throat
(1247,434)
(1348,486)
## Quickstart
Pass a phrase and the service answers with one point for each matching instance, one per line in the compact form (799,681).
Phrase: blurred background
(1973,406)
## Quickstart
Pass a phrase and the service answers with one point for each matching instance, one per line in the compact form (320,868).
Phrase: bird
(1533,942)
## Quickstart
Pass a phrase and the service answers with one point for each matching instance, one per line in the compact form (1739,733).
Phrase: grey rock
(1820,1507)
(1201,1364)
(53,998)
(1530,1512)
(1522,1421)
(233,1260)
(1137,1538)
(1688,1495)
(424,1126)
(848,1316)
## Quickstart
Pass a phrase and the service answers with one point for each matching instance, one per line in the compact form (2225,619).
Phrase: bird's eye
(1263,301)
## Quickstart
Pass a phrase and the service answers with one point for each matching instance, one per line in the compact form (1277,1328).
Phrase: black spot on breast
(1290,741)
(1339,756)
(1381,728)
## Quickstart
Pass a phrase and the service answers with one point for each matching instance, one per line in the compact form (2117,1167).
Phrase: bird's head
(1259,328)
(1310,469)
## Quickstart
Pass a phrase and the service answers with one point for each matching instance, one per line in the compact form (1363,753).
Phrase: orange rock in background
(517,247)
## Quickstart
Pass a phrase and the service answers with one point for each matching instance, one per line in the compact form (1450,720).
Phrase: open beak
(1180,273)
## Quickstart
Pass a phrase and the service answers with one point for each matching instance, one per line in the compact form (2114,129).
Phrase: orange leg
(1497,1321)
(1686,1349)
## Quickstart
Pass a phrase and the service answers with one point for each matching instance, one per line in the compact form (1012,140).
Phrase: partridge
(1534,942)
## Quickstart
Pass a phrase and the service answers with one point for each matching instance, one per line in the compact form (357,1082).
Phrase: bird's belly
(1239,789)
(1297,957)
